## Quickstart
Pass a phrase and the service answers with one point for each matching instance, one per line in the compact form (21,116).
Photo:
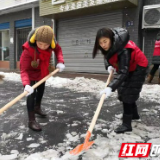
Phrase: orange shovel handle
(99,105)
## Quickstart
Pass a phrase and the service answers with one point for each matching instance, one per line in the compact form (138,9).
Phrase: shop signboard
(48,7)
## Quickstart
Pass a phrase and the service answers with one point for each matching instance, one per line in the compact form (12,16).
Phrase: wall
(134,15)
(150,35)
(41,20)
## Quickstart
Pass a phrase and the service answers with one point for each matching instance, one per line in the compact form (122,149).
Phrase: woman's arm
(58,53)
(123,69)
(25,63)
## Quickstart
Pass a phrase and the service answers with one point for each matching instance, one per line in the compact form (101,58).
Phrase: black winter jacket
(129,84)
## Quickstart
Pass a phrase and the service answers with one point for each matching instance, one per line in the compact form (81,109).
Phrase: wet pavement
(64,107)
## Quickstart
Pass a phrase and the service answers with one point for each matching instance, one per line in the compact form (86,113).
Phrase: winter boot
(32,124)
(135,113)
(38,110)
(149,78)
(126,125)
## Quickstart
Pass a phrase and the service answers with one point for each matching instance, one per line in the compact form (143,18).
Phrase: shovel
(25,92)
(86,145)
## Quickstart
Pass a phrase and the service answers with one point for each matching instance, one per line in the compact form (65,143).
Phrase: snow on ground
(104,148)
(78,84)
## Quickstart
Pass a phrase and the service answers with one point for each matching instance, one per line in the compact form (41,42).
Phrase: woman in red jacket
(34,64)
(130,63)
(155,60)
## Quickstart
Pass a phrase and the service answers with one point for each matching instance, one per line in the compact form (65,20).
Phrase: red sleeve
(58,53)
(25,63)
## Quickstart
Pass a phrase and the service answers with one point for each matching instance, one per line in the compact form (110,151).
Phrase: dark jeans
(36,96)
(128,108)
(154,69)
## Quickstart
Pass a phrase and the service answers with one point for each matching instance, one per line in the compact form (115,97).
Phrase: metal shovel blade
(86,145)
(81,147)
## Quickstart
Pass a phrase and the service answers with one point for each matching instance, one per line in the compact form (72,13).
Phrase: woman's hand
(110,68)
(107,91)
(29,89)
(61,67)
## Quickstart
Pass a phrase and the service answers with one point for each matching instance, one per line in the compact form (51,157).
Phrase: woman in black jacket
(130,63)
(155,60)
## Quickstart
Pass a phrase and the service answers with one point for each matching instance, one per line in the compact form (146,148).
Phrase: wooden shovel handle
(99,105)
(8,105)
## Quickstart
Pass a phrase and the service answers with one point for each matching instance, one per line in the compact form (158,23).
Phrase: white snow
(33,145)
(80,84)
(104,148)
(29,139)
(20,136)
(8,157)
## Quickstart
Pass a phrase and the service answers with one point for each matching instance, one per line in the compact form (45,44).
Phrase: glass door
(21,38)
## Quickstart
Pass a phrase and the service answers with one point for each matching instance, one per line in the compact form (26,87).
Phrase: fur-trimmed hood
(120,39)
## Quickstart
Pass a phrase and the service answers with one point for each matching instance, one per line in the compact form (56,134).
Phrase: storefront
(17,19)
(77,23)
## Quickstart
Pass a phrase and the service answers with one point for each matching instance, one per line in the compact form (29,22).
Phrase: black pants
(128,108)
(154,69)
(35,97)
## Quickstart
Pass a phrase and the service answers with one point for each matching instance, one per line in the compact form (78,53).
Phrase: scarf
(44,56)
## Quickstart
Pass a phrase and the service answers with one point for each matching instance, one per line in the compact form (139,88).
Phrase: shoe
(38,110)
(122,129)
(126,125)
(32,124)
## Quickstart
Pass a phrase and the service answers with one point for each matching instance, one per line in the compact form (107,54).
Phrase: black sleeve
(106,64)
(123,69)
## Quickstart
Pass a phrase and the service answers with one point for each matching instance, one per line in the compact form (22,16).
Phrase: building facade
(150,26)
(17,18)
(77,22)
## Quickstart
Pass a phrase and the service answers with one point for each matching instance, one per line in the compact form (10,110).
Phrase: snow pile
(80,84)
(150,93)
(11,76)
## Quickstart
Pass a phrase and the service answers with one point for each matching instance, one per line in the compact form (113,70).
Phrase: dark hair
(103,32)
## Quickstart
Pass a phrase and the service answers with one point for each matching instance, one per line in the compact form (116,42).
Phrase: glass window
(22,35)
(4,45)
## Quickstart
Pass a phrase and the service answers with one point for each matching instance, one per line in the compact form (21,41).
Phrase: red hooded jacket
(156,51)
(137,57)
(28,73)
